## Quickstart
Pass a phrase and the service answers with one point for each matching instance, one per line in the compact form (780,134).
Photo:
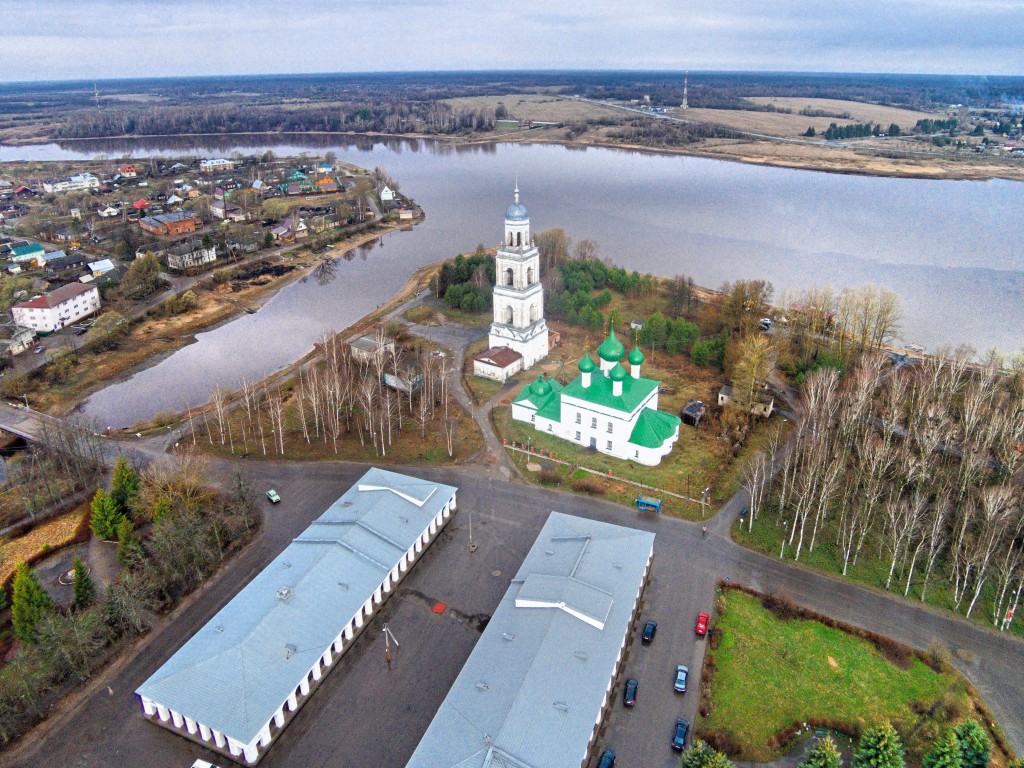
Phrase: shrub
(588,486)
(723,741)
(548,477)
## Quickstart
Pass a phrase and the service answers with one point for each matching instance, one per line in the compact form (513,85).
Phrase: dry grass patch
(46,537)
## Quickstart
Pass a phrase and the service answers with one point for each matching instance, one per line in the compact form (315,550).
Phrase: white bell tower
(518,296)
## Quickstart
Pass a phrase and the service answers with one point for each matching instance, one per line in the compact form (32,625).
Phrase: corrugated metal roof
(532,689)
(235,672)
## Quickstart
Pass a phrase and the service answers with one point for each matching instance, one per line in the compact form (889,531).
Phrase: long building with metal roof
(237,682)
(535,689)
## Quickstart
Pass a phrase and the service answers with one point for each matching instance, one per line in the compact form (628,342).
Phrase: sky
(98,39)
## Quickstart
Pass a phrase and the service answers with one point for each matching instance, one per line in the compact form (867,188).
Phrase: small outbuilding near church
(235,685)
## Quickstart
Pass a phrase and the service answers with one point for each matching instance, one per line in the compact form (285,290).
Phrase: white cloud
(128,38)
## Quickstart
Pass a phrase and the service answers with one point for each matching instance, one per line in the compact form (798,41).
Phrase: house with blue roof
(604,408)
(237,683)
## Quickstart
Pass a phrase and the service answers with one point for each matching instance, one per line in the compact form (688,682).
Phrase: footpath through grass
(767,674)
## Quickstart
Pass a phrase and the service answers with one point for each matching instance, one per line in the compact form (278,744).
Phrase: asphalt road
(366,715)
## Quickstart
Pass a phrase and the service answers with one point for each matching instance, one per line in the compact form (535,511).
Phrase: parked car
(38,350)
(679,735)
(607,759)
(681,674)
(629,695)
(702,624)
(649,629)
(273,496)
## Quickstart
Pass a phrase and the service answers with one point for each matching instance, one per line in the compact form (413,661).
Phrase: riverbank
(771,152)
(246,289)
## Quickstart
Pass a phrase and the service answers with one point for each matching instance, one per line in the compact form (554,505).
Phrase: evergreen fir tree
(879,747)
(945,751)
(30,605)
(129,550)
(825,754)
(124,485)
(105,517)
(975,747)
(85,590)
(703,755)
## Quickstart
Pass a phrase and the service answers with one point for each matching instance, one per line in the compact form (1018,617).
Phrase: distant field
(859,112)
(536,107)
(781,124)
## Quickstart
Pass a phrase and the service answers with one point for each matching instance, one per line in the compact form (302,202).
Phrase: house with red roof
(58,308)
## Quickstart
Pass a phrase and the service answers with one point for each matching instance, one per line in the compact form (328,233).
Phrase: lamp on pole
(389,637)
(785,527)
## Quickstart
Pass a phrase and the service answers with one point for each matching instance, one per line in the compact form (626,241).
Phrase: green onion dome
(636,357)
(611,349)
(618,373)
(540,387)
(587,364)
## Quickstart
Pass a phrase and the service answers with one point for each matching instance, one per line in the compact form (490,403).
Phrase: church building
(605,409)
(519,334)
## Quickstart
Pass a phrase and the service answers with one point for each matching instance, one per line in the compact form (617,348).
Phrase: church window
(577,437)
(533,418)
(529,276)
(593,423)
(508,314)
(549,427)
(509,277)
(579,418)
(609,445)
(609,427)
(636,454)
(519,238)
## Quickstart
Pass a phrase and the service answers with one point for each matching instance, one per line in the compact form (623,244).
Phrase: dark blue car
(679,736)
(607,759)
(629,695)
(649,629)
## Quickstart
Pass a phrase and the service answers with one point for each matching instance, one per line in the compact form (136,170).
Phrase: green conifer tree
(105,517)
(975,746)
(945,751)
(124,485)
(703,755)
(30,605)
(129,550)
(825,754)
(85,590)
(879,747)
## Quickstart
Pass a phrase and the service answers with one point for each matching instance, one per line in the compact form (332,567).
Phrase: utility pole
(389,638)
(686,103)
(472,546)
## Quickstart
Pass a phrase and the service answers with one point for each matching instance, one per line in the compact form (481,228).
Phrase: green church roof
(587,364)
(611,349)
(653,428)
(636,357)
(634,392)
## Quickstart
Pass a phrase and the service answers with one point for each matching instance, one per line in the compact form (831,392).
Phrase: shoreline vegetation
(821,158)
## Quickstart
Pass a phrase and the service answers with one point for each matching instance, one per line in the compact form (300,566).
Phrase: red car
(702,624)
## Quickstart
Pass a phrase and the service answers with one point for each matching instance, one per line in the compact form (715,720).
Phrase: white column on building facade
(327,659)
(293,702)
(304,686)
(315,671)
(279,717)
(163,712)
(177,719)
(251,753)
(218,739)
(204,732)
(148,707)
(265,736)
(190,725)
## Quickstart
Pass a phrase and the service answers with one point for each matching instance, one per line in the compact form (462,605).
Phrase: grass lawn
(871,569)
(770,673)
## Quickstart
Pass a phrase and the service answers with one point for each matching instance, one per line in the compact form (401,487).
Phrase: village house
(219,164)
(128,171)
(58,308)
(189,256)
(25,253)
(108,212)
(101,267)
(366,348)
(764,405)
(15,339)
(171,224)
(78,183)
(387,195)
(227,211)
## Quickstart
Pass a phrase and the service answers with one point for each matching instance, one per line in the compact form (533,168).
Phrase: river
(950,249)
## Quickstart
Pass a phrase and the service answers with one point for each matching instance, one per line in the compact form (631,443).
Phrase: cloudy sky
(96,39)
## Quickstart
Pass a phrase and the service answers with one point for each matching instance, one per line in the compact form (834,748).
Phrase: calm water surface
(950,249)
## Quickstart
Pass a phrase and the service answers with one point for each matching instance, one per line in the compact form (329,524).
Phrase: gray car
(681,674)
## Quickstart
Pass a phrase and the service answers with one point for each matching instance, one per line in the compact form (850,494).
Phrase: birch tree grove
(371,396)
(910,474)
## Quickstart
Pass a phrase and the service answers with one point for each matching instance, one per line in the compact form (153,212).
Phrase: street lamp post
(785,527)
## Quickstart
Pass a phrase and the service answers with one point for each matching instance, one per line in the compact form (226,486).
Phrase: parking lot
(366,714)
